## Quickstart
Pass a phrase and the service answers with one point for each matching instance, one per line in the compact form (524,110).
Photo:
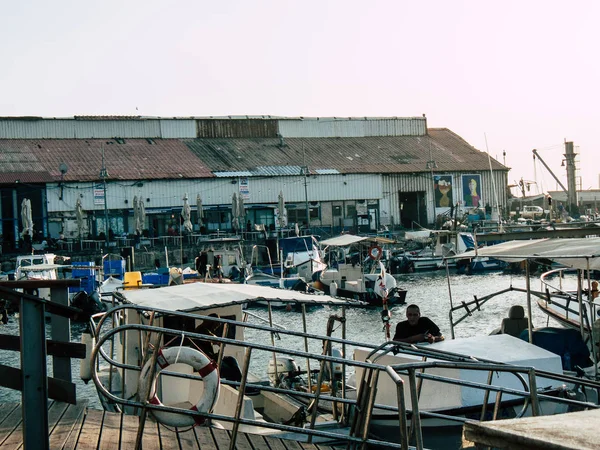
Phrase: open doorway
(412,209)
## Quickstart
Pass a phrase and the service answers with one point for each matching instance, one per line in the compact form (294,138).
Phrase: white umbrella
(234,212)
(200,209)
(136,214)
(142,214)
(282,212)
(79,215)
(186,214)
(241,210)
(26,217)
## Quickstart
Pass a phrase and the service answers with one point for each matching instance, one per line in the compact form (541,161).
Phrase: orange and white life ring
(375,252)
(202,364)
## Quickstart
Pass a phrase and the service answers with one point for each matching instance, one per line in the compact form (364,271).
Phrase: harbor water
(429,290)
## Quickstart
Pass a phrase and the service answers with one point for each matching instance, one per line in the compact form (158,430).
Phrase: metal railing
(355,408)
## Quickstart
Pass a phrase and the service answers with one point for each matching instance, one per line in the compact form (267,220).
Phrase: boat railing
(569,296)
(142,405)
(356,411)
(415,374)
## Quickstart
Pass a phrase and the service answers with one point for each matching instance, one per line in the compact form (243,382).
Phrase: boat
(152,325)
(444,244)
(355,270)
(38,267)
(174,312)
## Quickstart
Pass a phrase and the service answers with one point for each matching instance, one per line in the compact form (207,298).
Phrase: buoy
(333,287)
(85,365)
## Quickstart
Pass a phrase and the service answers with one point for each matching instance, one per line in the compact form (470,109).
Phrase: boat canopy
(572,252)
(345,240)
(199,296)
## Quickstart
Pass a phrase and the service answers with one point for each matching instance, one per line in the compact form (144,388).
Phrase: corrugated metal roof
(387,154)
(135,159)
(139,159)
(25,177)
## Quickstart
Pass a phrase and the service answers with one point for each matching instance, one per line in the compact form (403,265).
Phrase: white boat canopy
(345,240)
(198,296)
(578,253)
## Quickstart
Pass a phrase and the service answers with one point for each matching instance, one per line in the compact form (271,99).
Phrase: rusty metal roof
(393,154)
(139,159)
(133,159)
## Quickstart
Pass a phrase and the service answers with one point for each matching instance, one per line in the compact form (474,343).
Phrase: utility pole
(104,175)
(571,180)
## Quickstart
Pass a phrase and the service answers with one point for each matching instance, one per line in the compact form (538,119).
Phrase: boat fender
(201,364)
(85,367)
(333,287)
(375,252)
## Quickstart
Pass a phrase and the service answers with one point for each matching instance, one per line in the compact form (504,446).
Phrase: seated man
(417,328)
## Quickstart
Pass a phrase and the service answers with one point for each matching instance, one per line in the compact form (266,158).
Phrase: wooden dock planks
(76,427)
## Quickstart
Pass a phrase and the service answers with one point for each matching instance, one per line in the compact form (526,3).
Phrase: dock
(562,431)
(79,427)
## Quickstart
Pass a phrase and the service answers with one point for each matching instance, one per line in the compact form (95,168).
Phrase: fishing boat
(169,316)
(442,247)
(149,338)
(355,270)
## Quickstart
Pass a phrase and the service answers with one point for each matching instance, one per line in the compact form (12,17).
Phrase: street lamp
(304,171)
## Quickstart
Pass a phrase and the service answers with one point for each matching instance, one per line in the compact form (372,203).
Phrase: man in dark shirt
(417,328)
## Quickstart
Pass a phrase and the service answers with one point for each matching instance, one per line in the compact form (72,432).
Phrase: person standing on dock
(417,328)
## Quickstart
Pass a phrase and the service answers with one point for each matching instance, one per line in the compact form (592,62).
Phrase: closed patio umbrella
(200,210)
(142,214)
(234,212)
(26,219)
(79,215)
(186,214)
(281,210)
(241,210)
(136,214)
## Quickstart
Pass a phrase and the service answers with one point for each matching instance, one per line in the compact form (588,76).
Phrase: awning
(572,252)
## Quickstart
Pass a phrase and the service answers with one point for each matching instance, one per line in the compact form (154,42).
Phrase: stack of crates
(86,277)
(114,268)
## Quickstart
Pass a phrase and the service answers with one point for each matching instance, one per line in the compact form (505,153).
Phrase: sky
(507,76)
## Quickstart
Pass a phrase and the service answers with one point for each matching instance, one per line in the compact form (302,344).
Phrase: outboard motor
(288,372)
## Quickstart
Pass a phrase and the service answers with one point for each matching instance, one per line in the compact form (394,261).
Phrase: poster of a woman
(471,186)
(443,190)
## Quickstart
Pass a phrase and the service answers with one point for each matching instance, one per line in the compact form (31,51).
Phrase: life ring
(375,252)
(202,364)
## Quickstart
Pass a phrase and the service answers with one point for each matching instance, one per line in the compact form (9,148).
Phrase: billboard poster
(244,188)
(443,191)
(98,194)
(471,188)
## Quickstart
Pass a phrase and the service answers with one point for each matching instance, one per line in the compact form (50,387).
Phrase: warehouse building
(335,174)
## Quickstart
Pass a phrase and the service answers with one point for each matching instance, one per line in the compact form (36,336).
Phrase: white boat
(442,244)
(38,267)
(165,317)
(174,312)
(349,275)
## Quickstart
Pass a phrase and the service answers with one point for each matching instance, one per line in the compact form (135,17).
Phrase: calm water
(429,290)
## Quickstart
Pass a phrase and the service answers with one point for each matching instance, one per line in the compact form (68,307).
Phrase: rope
(180,347)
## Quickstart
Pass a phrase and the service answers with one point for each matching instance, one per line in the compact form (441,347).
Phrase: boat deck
(562,431)
(79,427)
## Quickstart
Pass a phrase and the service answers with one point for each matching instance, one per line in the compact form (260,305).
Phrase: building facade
(334,174)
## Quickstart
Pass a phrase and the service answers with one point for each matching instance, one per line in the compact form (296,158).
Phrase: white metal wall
(215,191)
(188,128)
(335,127)
(393,184)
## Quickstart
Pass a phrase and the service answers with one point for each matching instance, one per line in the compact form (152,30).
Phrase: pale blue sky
(523,73)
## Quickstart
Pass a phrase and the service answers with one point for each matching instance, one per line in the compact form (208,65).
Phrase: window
(350,211)
(336,210)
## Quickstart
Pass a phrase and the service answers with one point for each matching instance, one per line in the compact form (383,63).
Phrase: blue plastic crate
(114,268)
(87,277)
(155,279)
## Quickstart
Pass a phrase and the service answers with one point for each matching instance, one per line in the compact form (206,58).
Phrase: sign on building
(98,194)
